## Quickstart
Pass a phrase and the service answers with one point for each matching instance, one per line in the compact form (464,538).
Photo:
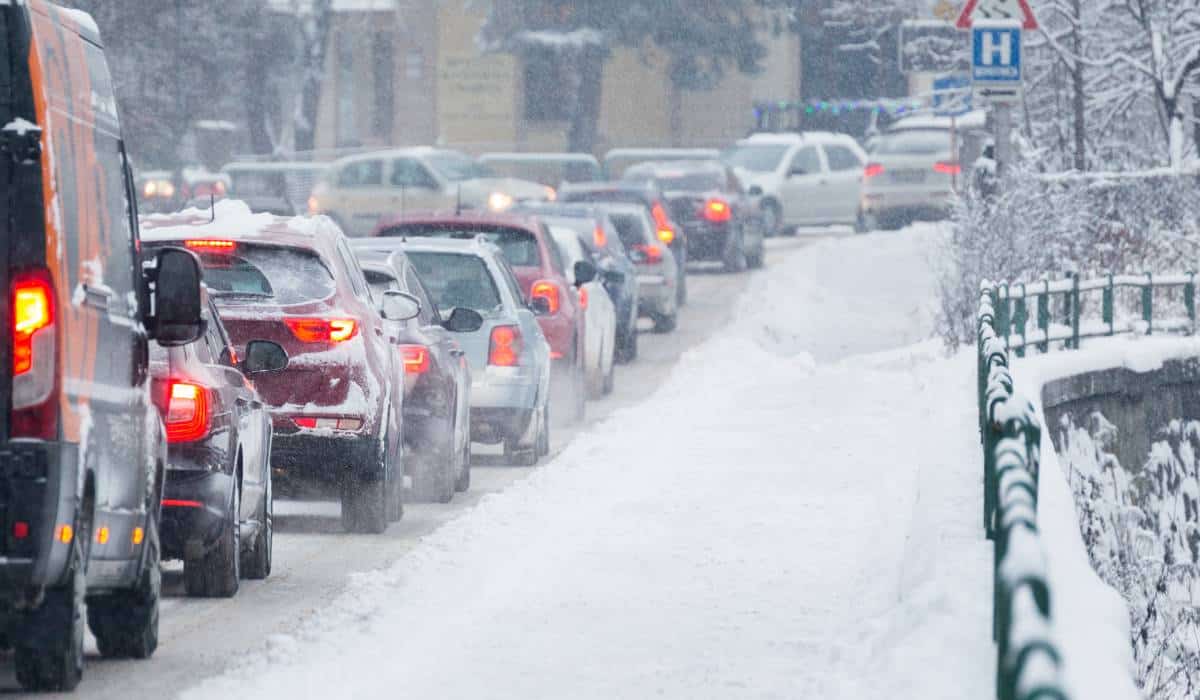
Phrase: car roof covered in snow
(233,220)
(467,218)
(794,137)
(970,120)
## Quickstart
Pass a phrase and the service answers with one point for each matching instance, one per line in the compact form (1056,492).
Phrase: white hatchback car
(806,179)
(600,338)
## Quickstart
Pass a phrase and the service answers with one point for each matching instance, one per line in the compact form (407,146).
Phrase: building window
(384,66)
(414,64)
(347,129)
(546,81)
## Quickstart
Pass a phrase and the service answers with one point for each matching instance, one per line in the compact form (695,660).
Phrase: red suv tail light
(34,355)
(947,168)
(187,412)
(662,224)
(599,237)
(505,348)
(321,330)
(873,170)
(416,359)
(717,211)
(549,291)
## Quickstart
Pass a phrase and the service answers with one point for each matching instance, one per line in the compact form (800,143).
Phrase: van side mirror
(399,306)
(177,300)
(584,272)
(463,320)
(263,356)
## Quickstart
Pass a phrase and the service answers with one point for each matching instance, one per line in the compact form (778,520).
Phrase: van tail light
(505,347)
(717,211)
(947,168)
(599,237)
(583,298)
(187,412)
(873,170)
(321,330)
(547,290)
(416,359)
(650,253)
(210,245)
(34,355)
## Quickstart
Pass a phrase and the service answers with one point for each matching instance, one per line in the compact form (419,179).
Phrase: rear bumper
(504,388)
(323,459)
(32,476)
(934,202)
(708,242)
(493,425)
(559,330)
(195,512)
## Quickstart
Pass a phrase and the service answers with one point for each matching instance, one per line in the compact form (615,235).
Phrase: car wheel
(627,345)
(257,562)
(755,261)
(543,441)
(735,257)
(49,655)
(665,323)
(216,573)
(125,623)
(464,476)
(772,217)
(681,289)
(365,504)
(610,377)
(866,222)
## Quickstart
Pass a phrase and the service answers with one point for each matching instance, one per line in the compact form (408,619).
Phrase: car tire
(517,454)
(772,218)
(217,573)
(463,484)
(256,563)
(755,261)
(866,223)
(666,323)
(610,378)
(125,623)
(627,345)
(735,257)
(543,441)
(681,289)
(49,653)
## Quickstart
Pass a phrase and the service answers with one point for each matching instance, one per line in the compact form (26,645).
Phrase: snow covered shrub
(1141,532)
(1048,226)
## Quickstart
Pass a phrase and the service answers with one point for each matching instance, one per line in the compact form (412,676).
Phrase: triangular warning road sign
(997,9)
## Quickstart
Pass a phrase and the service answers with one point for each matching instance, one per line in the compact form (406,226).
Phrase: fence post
(1148,304)
(1021,318)
(1043,316)
(1189,299)
(1003,312)
(1108,306)
(1075,313)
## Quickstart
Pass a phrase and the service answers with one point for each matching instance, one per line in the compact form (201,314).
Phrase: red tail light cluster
(32,311)
(505,347)
(653,255)
(549,291)
(947,168)
(583,298)
(187,412)
(717,211)
(416,359)
(599,237)
(873,170)
(319,423)
(321,330)
(662,224)
(34,356)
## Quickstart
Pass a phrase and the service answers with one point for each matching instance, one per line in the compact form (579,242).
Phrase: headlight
(500,201)
(551,194)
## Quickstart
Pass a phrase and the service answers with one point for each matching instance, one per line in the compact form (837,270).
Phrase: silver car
(657,271)
(508,355)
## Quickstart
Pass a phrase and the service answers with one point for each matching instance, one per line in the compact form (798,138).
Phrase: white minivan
(803,179)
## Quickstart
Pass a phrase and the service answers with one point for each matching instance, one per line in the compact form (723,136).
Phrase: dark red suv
(337,408)
(539,268)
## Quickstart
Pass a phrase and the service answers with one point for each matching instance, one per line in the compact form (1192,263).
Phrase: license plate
(908,177)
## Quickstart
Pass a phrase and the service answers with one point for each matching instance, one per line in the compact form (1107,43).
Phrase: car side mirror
(263,356)
(463,320)
(584,272)
(399,306)
(614,277)
(540,306)
(177,300)
(755,191)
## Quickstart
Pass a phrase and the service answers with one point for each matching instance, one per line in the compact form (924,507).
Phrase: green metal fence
(1028,659)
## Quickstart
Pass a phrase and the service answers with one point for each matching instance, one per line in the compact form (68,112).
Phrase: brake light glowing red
(651,253)
(717,211)
(662,224)
(20,530)
(505,348)
(547,290)
(872,170)
(320,330)
(947,168)
(180,503)
(599,237)
(32,310)
(416,358)
(209,245)
(187,412)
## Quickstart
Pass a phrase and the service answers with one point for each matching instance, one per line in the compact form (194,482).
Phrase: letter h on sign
(996,54)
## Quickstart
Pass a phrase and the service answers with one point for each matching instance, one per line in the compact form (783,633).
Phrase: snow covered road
(793,513)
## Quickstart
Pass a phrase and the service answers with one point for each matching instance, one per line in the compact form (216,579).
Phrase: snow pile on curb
(765,525)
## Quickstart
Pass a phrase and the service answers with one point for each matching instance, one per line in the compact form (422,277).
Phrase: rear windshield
(282,275)
(915,143)
(631,228)
(457,280)
(520,247)
(611,196)
(705,181)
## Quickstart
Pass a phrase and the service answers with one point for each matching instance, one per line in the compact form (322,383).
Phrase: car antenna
(458,200)
(212,207)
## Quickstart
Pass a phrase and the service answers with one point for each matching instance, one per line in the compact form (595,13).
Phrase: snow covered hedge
(1042,226)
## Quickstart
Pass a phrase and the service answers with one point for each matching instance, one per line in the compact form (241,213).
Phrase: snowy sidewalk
(767,525)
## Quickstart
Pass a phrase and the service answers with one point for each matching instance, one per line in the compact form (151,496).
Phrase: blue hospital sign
(996,55)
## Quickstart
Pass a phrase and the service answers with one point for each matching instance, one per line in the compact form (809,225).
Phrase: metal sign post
(996,49)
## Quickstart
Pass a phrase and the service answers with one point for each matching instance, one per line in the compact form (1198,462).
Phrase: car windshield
(923,142)
(457,280)
(520,247)
(282,275)
(456,167)
(756,158)
(631,228)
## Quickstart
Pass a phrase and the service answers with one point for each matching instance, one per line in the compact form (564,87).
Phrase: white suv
(807,179)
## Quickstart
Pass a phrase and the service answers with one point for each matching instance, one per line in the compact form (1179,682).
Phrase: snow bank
(773,522)
(1091,619)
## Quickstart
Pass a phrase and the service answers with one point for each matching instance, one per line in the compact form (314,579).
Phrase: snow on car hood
(478,190)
